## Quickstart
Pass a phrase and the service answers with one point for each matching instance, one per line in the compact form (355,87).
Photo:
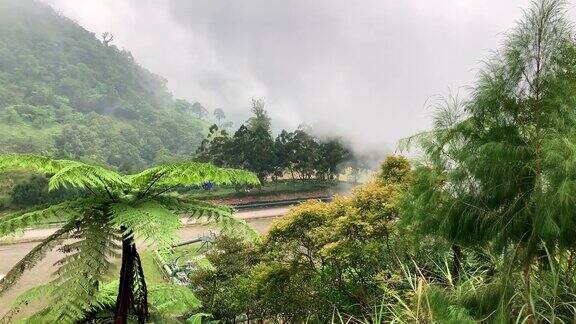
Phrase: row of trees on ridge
(252,147)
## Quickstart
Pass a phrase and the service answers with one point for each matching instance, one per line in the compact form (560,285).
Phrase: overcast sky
(361,69)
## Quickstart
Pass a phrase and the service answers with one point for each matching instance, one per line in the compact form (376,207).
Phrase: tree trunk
(125,292)
(457,266)
(526,274)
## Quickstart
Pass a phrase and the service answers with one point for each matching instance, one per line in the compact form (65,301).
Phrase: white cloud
(362,69)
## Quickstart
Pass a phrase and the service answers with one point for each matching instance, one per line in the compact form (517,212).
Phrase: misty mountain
(67,92)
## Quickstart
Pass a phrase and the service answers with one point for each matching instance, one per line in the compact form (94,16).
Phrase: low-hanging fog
(360,69)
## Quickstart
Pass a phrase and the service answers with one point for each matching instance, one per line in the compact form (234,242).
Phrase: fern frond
(31,162)
(190,173)
(222,216)
(34,256)
(66,173)
(149,221)
(32,294)
(68,210)
(80,175)
(172,300)
(83,268)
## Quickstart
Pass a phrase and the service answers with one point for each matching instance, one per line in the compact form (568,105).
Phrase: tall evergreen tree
(219,115)
(503,177)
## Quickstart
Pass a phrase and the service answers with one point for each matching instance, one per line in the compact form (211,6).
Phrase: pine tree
(500,171)
(121,209)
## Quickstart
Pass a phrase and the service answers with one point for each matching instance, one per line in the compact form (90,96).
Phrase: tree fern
(123,208)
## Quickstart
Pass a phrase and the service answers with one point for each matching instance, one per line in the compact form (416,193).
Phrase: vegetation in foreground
(480,229)
(105,225)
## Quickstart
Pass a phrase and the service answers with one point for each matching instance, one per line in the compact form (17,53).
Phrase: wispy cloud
(361,69)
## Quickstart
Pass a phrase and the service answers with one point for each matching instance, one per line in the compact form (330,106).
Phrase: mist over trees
(252,147)
(65,93)
(478,227)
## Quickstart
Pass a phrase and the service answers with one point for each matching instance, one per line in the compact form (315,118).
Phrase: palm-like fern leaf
(67,210)
(148,220)
(83,269)
(80,175)
(190,173)
(32,162)
(223,216)
(66,173)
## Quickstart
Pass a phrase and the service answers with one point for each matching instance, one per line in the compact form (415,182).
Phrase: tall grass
(493,293)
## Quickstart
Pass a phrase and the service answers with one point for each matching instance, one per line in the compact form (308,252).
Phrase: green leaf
(190,173)
(149,221)
(198,317)
(67,210)
(84,267)
(80,175)
(32,162)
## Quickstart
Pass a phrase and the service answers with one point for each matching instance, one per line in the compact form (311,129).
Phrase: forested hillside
(67,92)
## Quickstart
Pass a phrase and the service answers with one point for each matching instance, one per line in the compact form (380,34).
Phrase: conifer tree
(501,167)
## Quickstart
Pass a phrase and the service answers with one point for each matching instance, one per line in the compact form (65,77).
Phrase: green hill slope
(64,92)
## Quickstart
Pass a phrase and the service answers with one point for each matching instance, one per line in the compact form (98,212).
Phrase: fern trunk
(457,266)
(131,269)
(125,295)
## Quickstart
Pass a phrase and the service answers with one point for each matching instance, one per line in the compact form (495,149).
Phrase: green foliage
(497,177)
(84,267)
(122,207)
(224,288)
(252,148)
(65,93)
(166,300)
(190,173)
(319,256)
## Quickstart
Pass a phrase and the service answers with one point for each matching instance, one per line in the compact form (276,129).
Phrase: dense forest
(298,154)
(66,92)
